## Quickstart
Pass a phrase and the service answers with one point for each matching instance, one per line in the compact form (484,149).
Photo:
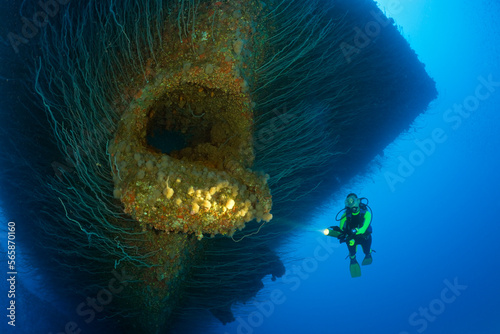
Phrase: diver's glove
(342,237)
(336,228)
(347,236)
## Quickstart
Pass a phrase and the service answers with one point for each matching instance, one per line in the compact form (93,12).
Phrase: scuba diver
(354,229)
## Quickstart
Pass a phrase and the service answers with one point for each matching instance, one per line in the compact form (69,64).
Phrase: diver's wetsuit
(360,220)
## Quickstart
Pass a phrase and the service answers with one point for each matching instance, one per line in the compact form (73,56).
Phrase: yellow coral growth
(198,90)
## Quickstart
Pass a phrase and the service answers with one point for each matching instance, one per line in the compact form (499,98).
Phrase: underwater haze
(433,192)
(436,267)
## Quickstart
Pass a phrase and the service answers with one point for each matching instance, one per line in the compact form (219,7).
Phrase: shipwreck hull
(172,139)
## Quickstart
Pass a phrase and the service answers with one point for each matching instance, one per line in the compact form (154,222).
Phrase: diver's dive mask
(352,203)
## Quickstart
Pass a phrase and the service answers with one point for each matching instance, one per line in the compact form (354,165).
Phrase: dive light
(331,232)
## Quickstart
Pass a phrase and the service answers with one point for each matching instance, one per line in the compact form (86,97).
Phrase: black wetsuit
(365,239)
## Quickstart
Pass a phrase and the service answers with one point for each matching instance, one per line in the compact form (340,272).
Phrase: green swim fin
(367,260)
(354,268)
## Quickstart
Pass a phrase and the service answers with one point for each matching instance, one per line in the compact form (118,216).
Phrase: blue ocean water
(434,200)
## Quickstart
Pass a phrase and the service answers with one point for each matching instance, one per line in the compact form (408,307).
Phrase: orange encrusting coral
(198,89)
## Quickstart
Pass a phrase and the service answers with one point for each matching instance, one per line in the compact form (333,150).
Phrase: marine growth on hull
(183,151)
